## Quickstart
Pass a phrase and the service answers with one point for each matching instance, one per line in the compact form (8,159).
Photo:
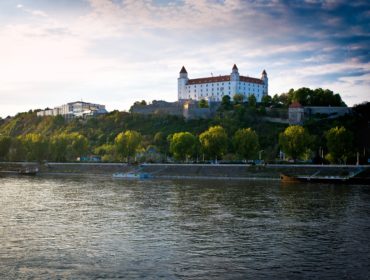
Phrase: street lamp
(260,153)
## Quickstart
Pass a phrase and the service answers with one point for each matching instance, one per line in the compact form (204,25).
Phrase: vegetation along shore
(241,131)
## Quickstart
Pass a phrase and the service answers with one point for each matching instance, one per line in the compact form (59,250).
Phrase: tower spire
(183,70)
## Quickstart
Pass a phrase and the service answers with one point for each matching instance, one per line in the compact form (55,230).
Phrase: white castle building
(214,88)
(74,109)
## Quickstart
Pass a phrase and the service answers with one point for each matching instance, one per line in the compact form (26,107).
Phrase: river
(99,228)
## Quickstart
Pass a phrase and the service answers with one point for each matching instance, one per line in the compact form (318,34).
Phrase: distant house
(75,110)
(297,113)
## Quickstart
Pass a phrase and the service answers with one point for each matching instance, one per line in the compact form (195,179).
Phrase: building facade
(214,88)
(74,110)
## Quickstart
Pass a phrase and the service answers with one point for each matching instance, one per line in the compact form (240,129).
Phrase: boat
(131,175)
(29,171)
(351,178)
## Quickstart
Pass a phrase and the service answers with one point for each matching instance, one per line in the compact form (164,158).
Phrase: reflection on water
(89,228)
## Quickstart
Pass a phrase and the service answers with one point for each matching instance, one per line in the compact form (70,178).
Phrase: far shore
(181,171)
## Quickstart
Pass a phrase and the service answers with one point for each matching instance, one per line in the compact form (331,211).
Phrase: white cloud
(116,53)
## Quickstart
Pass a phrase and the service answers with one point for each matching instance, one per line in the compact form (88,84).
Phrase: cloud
(133,49)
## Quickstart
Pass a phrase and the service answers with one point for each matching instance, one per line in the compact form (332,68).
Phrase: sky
(115,52)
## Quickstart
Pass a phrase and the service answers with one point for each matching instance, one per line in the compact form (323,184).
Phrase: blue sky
(115,52)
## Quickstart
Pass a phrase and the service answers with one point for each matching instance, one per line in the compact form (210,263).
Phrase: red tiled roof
(295,104)
(251,80)
(209,80)
(225,78)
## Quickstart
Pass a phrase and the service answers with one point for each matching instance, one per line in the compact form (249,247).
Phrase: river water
(96,228)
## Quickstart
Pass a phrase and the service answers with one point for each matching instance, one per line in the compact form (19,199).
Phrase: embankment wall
(236,171)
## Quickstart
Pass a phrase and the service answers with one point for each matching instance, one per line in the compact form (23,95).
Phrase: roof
(235,68)
(225,78)
(183,70)
(264,72)
(295,104)
(209,80)
(251,80)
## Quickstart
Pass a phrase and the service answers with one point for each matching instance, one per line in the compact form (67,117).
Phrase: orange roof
(251,80)
(209,80)
(225,78)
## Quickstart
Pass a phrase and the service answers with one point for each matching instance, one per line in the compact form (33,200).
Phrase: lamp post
(259,154)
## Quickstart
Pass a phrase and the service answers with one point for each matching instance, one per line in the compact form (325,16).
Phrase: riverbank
(186,171)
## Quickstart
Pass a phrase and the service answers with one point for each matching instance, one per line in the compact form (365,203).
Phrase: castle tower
(181,84)
(234,81)
(265,81)
(234,76)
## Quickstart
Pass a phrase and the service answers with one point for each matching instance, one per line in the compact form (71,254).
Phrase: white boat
(131,175)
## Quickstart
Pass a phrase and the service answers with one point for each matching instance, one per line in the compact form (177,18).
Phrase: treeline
(237,132)
(306,97)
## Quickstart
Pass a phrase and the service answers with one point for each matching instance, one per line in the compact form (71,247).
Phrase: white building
(214,88)
(75,109)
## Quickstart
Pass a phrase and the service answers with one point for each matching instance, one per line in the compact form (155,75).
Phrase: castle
(214,88)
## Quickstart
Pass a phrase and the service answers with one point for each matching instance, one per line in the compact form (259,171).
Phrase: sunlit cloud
(116,52)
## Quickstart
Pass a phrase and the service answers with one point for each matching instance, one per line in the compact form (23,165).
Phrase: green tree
(266,100)
(5,144)
(226,103)
(58,147)
(295,141)
(339,142)
(36,146)
(203,103)
(252,101)
(246,143)
(160,141)
(127,143)
(214,142)
(78,145)
(106,151)
(183,145)
(238,98)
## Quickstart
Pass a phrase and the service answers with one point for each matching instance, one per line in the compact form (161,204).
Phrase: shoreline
(181,171)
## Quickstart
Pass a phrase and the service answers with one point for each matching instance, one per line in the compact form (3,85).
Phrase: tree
(266,100)
(295,141)
(339,142)
(226,103)
(5,144)
(36,146)
(107,152)
(79,145)
(203,103)
(252,101)
(238,98)
(58,147)
(183,145)
(127,143)
(160,141)
(246,143)
(214,141)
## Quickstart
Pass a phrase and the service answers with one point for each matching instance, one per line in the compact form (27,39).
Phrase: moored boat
(29,171)
(131,175)
(324,179)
